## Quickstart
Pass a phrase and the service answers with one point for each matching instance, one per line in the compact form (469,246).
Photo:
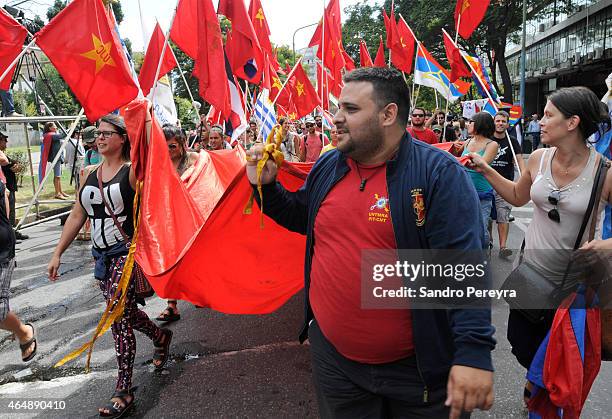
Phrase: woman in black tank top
(110,251)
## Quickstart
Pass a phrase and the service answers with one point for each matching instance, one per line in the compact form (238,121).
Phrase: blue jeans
(8,107)
(485,212)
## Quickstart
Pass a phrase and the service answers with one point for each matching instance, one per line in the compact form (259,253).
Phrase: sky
(284,17)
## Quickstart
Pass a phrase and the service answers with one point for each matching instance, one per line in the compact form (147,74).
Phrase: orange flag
(89,57)
(379,61)
(304,96)
(151,60)
(12,36)
(468,15)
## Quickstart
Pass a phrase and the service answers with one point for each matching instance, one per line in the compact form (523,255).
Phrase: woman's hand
(477,163)
(53,268)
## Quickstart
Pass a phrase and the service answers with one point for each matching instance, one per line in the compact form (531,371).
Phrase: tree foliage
(427,18)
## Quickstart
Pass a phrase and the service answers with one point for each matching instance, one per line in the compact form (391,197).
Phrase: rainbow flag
(481,77)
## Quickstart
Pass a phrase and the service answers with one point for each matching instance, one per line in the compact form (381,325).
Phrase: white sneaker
(14,115)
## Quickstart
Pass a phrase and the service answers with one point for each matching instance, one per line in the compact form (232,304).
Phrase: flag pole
(392,14)
(494,105)
(16,60)
(178,65)
(322,56)
(48,172)
(448,96)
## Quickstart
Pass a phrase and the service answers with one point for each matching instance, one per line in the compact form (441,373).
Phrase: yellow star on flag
(299,87)
(292,115)
(100,54)
(260,16)
(277,83)
(402,42)
(464,5)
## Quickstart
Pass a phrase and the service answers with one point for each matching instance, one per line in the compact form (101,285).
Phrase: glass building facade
(568,42)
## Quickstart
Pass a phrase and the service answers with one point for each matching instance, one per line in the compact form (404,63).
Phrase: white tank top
(548,244)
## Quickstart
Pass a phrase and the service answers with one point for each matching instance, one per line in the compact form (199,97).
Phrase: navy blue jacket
(442,338)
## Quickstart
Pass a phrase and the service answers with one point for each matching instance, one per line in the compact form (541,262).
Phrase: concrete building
(569,45)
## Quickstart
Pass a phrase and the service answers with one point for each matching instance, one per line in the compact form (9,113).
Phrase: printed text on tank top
(119,195)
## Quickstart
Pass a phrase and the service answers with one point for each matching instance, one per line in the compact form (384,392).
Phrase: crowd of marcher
(366,363)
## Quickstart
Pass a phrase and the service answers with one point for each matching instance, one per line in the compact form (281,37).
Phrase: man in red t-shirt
(418,130)
(312,143)
(364,360)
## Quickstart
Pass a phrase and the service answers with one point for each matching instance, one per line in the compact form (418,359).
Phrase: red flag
(89,57)
(199,36)
(402,53)
(379,61)
(332,13)
(303,95)
(458,67)
(349,64)
(210,220)
(468,15)
(184,31)
(151,60)
(275,86)
(260,24)
(390,25)
(246,55)
(323,83)
(364,55)
(12,37)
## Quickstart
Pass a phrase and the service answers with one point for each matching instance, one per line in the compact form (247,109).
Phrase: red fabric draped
(195,242)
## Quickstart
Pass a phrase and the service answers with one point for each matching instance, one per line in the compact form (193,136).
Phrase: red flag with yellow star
(303,95)
(89,57)
(260,24)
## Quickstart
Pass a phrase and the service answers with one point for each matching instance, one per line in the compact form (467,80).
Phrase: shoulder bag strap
(595,192)
(605,165)
(110,211)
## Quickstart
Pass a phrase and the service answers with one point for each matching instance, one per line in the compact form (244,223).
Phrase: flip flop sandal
(162,351)
(24,346)
(168,315)
(118,410)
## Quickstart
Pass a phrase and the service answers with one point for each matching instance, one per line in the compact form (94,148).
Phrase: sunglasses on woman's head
(173,146)
(553,199)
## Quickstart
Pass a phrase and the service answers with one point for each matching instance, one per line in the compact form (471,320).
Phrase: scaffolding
(35,202)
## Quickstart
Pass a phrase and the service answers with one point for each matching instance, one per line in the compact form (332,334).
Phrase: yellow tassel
(271,151)
(115,307)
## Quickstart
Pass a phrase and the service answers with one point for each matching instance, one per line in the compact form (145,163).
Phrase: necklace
(365,180)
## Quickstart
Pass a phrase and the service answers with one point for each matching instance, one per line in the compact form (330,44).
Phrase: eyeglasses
(553,199)
(173,146)
(105,134)
(418,115)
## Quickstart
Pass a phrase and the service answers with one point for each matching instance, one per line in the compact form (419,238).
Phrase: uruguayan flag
(264,113)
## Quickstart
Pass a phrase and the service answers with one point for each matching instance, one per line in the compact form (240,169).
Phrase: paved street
(222,366)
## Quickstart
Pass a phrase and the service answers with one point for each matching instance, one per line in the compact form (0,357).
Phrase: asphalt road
(222,365)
